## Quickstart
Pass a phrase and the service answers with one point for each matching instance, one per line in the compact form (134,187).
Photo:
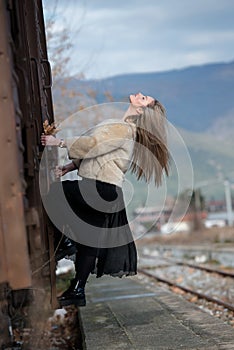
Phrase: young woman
(100,229)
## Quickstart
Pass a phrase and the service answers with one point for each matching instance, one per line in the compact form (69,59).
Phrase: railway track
(195,266)
(187,290)
(150,271)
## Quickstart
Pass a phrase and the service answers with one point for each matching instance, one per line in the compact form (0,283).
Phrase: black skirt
(92,213)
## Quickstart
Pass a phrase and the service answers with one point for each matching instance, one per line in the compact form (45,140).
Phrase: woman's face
(140,100)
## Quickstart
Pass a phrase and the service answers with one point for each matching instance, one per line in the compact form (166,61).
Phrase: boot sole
(75,302)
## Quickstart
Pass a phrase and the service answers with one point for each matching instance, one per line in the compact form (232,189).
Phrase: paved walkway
(122,314)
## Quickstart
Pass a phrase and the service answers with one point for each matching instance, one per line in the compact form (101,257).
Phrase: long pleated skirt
(92,213)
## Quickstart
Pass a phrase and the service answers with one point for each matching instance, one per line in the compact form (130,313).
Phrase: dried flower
(50,129)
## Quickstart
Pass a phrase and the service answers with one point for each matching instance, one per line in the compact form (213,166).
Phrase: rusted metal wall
(25,102)
(14,260)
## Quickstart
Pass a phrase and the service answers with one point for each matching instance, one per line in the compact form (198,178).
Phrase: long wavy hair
(150,154)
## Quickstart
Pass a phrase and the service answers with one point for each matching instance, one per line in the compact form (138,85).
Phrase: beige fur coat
(104,153)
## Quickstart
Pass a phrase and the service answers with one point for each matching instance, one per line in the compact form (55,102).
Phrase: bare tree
(68,97)
(60,46)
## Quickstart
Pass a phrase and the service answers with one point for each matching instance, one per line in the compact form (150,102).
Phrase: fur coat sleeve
(103,139)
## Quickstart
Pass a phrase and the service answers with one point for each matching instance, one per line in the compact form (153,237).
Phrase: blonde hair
(150,155)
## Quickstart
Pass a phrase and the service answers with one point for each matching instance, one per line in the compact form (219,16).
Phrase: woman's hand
(60,171)
(49,140)
(63,170)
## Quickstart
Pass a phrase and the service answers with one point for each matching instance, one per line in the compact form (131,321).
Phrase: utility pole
(197,209)
(228,198)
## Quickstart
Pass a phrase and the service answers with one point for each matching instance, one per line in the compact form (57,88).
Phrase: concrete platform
(122,314)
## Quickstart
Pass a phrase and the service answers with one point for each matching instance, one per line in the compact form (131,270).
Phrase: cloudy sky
(113,37)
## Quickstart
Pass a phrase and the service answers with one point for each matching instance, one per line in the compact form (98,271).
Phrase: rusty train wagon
(26,239)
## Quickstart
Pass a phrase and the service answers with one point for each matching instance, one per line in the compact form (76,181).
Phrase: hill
(195,97)
(199,103)
(211,161)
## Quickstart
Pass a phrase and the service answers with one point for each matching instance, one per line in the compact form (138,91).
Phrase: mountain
(212,162)
(194,97)
(199,103)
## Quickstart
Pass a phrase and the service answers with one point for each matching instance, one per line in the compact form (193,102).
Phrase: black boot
(66,247)
(74,295)
(67,292)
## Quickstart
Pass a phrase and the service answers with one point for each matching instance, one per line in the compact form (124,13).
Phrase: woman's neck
(129,112)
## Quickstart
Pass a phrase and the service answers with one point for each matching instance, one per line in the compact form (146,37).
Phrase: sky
(113,37)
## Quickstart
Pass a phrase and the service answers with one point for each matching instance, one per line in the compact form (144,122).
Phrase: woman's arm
(49,140)
(63,170)
(103,140)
